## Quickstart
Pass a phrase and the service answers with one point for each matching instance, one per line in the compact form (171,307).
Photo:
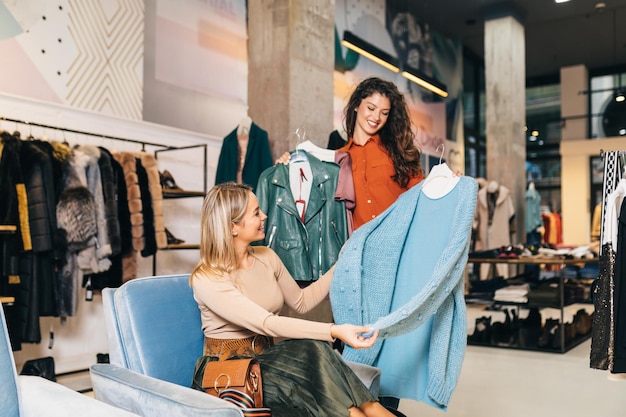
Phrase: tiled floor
(497,382)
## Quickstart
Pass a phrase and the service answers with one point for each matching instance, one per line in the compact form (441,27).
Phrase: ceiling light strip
(369,51)
(423,81)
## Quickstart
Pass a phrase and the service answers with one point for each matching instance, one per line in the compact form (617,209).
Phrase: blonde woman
(240,290)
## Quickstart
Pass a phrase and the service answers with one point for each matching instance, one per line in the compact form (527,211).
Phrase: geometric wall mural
(81,53)
(106,75)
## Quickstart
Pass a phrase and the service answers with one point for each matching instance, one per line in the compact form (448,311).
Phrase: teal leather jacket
(307,248)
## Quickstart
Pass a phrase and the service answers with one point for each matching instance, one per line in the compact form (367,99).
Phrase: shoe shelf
(182,194)
(172,191)
(533,332)
(180,246)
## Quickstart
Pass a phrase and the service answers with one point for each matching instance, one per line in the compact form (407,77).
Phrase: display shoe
(171,239)
(582,322)
(530,329)
(482,330)
(548,333)
(167,181)
(569,333)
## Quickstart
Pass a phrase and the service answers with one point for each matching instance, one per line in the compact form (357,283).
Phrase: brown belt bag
(232,377)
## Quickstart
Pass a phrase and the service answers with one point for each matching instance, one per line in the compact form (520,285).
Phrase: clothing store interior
(501,298)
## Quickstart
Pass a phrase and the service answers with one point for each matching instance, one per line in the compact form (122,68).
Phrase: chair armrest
(369,375)
(148,396)
(40,397)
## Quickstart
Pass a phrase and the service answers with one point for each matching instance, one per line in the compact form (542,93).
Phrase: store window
(543,135)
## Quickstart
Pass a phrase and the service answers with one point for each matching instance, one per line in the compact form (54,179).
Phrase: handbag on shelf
(237,381)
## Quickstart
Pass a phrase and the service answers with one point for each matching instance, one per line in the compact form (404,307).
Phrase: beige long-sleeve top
(248,303)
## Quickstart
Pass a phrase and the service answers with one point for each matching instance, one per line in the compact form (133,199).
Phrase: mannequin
(244,126)
(494,213)
(492,187)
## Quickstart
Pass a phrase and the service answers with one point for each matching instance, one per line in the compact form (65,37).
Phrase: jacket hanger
(441,180)
(299,155)
(318,152)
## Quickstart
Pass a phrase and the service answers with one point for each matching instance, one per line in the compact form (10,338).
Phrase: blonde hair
(223,205)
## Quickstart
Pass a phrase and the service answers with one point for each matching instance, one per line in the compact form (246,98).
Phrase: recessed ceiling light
(561,1)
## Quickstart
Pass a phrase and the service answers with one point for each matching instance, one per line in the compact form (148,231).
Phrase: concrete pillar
(574,79)
(290,69)
(505,76)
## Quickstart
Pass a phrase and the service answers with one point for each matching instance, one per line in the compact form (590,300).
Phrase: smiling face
(250,228)
(371,116)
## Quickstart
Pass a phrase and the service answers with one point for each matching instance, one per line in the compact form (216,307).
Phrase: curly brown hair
(396,135)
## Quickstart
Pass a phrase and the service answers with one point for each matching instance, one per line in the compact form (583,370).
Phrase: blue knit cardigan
(362,291)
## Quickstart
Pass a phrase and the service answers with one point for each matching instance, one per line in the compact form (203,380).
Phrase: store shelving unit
(494,305)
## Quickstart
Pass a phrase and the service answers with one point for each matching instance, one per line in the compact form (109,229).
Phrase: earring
(235,233)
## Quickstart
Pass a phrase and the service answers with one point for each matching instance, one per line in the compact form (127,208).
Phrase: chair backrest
(8,374)
(153,327)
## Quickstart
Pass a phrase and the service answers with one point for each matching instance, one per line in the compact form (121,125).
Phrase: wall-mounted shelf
(167,193)
(170,193)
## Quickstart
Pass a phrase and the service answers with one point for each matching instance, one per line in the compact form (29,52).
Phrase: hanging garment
(420,313)
(494,225)
(155,194)
(89,172)
(619,348)
(257,157)
(309,245)
(110,194)
(345,186)
(532,213)
(37,276)
(113,278)
(604,301)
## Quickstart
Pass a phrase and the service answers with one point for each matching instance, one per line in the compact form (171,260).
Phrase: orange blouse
(372,170)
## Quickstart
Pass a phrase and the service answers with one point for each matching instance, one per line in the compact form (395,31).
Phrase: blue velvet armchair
(34,396)
(154,334)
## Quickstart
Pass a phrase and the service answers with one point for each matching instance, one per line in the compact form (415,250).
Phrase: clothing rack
(143,143)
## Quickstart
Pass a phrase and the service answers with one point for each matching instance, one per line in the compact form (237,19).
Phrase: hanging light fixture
(381,57)
(369,51)
(424,81)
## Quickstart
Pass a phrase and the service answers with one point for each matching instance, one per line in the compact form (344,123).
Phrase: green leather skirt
(304,378)
(308,378)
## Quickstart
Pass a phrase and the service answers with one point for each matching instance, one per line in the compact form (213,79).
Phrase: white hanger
(322,154)
(441,180)
(297,155)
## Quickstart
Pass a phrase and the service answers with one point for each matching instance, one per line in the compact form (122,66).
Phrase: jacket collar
(317,198)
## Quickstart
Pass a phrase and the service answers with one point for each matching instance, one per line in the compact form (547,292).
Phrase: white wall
(83,336)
